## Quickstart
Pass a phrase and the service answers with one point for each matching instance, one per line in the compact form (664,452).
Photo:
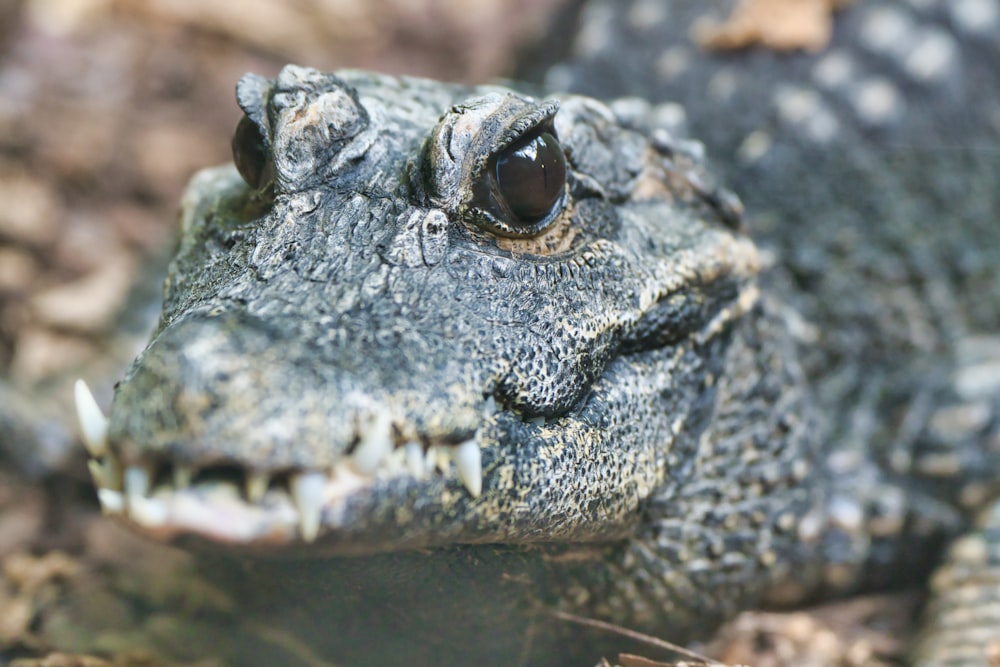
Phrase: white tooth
(147,512)
(182,476)
(93,423)
(442,458)
(307,493)
(469,461)
(375,444)
(414,458)
(136,482)
(112,502)
(257,483)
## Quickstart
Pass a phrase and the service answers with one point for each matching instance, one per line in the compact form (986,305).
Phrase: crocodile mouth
(230,503)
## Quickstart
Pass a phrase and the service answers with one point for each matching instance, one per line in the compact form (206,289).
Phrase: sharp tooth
(414,458)
(468,460)
(430,459)
(93,423)
(442,457)
(112,502)
(257,482)
(136,481)
(375,444)
(307,493)
(182,476)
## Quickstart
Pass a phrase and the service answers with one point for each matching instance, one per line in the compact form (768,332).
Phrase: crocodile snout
(222,418)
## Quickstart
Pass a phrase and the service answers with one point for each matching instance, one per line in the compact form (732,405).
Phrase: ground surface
(106,108)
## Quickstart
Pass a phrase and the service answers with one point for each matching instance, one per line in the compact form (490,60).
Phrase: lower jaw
(485,605)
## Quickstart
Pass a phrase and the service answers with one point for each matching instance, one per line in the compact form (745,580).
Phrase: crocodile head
(419,315)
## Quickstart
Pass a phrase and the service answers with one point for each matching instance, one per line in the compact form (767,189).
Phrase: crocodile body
(424,396)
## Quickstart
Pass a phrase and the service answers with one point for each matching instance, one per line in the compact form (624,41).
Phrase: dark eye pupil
(249,153)
(532,176)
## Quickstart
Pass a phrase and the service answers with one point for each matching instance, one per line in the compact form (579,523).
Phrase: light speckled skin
(710,438)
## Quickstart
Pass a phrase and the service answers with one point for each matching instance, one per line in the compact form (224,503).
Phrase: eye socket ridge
(522,189)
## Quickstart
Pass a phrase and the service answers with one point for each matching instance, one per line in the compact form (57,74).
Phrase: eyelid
(462,154)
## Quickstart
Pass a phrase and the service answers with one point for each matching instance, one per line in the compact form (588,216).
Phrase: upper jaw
(234,503)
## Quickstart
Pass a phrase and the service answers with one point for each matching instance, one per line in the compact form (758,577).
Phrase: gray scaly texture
(446,397)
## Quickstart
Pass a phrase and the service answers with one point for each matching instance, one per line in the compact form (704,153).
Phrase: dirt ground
(106,108)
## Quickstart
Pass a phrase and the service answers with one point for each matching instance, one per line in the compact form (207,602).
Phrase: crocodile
(437,362)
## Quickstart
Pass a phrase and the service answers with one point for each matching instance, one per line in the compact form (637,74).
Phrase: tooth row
(128,490)
(375,451)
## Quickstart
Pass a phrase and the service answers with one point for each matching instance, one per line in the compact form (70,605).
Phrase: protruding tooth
(442,457)
(414,458)
(469,462)
(375,444)
(307,493)
(430,459)
(137,481)
(182,476)
(112,502)
(257,483)
(93,423)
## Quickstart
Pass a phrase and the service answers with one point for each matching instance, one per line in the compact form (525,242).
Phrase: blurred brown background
(108,106)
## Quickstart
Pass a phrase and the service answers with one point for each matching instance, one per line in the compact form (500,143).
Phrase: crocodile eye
(531,177)
(250,154)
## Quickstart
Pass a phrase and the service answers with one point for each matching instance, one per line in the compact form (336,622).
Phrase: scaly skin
(871,171)
(617,414)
